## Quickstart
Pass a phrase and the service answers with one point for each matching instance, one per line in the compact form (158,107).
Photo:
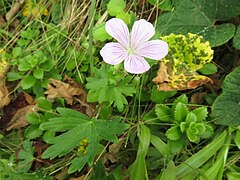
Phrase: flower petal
(113,53)
(142,31)
(118,30)
(136,64)
(155,49)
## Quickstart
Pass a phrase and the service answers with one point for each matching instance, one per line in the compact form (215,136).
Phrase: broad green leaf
(202,156)
(199,17)
(13,76)
(43,103)
(226,107)
(201,113)
(181,112)
(208,69)
(119,99)
(160,145)
(32,132)
(77,127)
(126,17)
(237,138)
(164,113)
(28,82)
(236,39)
(139,169)
(169,173)
(216,170)
(16,52)
(100,34)
(173,133)
(115,7)
(161,96)
(33,118)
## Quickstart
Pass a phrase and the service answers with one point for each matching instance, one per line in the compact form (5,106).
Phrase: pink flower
(132,47)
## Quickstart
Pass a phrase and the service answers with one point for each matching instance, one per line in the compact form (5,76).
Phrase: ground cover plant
(119,89)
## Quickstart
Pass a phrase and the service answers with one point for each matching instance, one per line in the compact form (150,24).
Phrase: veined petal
(155,49)
(118,30)
(113,53)
(142,31)
(136,64)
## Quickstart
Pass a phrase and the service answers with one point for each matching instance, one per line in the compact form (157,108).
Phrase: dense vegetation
(120,89)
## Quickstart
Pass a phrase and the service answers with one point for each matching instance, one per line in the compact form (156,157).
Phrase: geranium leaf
(76,127)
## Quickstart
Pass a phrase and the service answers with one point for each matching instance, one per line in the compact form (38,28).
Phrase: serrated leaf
(183,126)
(32,132)
(176,146)
(201,113)
(181,112)
(77,129)
(192,137)
(191,117)
(38,73)
(164,113)
(33,118)
(208,131)
(28,82)
(226,107)
(208,69)
(24,65)
(199,17)
(173,133)
(183,99)
(26,156)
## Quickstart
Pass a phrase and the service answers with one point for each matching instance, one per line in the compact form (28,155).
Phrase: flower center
(130,50)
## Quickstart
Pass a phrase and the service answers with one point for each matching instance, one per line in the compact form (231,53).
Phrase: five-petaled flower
(132,47)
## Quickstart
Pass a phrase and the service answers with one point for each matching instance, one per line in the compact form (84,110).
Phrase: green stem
(91,20)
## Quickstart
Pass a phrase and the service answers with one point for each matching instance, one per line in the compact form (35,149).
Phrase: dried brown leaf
(4,99)
(19,120)
(167,80)
(11,109)
(73,93)
(60,89)
(162,74)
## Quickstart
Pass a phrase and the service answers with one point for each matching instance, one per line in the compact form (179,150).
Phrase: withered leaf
(73,93)
(19,119)
(4,99)
(22,100)
(168,80)
(114,148)
(60,89)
